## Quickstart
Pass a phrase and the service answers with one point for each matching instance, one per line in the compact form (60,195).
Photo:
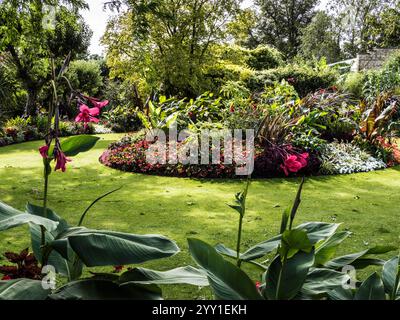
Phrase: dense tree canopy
(352,18)
(29,43)
(168,42)
(319,39)
(280,22)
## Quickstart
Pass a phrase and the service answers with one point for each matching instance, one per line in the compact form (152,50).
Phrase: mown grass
(366,204)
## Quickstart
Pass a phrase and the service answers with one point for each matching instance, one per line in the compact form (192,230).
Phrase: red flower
(87,114)
(61,161)
(295,163)
(43,151)
(97,103)
(258,285)
(6,277)
(232,108)
(303,159)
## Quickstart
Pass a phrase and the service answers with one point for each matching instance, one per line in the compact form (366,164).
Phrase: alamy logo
(49,17)
(228,147)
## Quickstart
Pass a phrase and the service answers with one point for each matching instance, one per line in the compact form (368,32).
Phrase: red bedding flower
(294,163)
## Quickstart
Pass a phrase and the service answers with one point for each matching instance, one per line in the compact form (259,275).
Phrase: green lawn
(366,204)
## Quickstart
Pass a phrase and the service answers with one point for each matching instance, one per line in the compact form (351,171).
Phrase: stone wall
(373,59)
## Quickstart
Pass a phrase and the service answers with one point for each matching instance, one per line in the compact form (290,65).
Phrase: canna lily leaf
(284,280)
(186,275)
(102,289)
(11,218)
(227,281)
(22,289)
(371,289)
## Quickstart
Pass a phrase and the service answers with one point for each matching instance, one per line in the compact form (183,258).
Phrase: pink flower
(295,163)
(258,285)
(61,161)
(44,151)
(87,114)
(303,159)
(97,103)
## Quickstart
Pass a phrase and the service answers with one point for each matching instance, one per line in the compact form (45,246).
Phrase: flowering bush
(344,158)
(132,158)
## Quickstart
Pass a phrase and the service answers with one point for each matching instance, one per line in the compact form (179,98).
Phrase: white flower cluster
(345,158)
(100,129)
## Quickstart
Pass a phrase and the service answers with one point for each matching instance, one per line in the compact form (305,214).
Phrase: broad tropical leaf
(72,146)
(316,231)
(185,275)
(22,289)
(391,277)
(371,289)
(107,248)
(227,281)
(321,281)
(284,282)
(11,218)
(356,259)
(326,250)
(95,289)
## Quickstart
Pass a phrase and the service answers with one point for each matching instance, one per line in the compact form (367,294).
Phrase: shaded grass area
(179,208)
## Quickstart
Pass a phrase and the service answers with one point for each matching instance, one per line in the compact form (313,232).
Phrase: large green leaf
(262,249)
(390,277)
(284,281)
(7,211)
(227,281)
(341,294)
(357,259)
(185,275)
(326,250)
(321,281)
(71,268)
(72,146)
(22,289)
(222,249)
(11,218)
(316,231)
(107,248)
(371,289)
(101,289)
(294,241)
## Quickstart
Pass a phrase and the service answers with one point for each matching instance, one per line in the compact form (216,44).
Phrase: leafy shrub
(345,158)
(354,84)
(304,79)
(19,129)
(264,57)
(121,119)
(385,79)
(381,118)
(86,75)
(328,114)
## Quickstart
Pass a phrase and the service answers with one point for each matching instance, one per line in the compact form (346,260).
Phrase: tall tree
(281,22)
(383,30)
(30,42)
(352,17)
(320,39)
(167,42)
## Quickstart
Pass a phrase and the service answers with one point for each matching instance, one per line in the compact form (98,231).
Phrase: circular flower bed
(130,156)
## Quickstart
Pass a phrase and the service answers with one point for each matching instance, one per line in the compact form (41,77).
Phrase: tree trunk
(31,103)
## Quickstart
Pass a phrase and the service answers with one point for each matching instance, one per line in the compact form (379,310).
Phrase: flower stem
(239,239)
(42,228)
